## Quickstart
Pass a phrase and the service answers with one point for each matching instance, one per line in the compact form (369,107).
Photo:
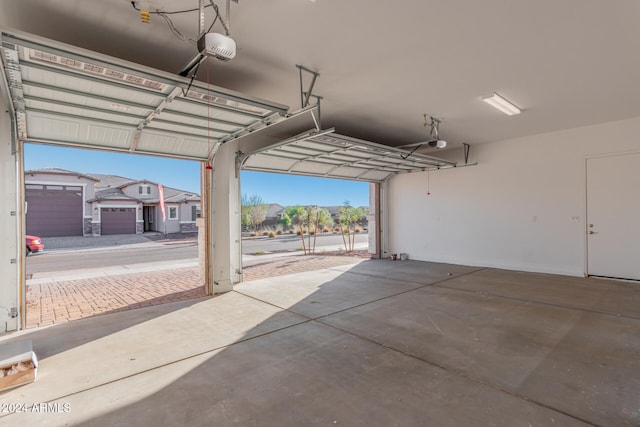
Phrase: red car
(34,244)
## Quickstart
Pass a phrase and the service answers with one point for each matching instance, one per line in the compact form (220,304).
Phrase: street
(63,260)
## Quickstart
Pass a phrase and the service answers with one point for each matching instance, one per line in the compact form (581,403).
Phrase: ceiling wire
(174,29)
(174,12)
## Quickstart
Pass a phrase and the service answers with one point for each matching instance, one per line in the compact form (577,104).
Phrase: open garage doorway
(293,223)
(107,244)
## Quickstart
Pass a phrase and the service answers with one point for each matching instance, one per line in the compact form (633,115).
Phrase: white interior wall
(522,207)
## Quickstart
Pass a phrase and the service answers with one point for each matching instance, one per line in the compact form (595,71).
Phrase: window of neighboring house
(144,189)
(173,212)
(195,212)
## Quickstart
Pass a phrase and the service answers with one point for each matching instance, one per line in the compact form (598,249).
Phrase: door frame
(585,228)
(148,216)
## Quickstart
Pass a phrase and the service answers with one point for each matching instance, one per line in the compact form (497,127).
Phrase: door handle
(592,232)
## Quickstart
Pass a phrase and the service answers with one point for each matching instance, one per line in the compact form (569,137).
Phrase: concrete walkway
(377,343)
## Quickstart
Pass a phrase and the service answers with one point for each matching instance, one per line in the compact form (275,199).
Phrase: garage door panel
(36,73)
(59,108)
(59,128)
(158,142)
(65,95)
(70,97)
(54,212)
(337,156)
(117,221)
(274,162)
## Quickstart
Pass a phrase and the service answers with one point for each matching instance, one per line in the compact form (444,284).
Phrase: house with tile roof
(68,203)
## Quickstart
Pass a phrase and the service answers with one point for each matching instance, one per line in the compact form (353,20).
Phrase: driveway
(69,295)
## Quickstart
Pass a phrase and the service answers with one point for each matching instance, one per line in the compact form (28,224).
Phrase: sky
(286,190)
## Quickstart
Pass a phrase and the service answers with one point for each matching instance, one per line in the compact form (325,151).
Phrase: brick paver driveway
(62,301)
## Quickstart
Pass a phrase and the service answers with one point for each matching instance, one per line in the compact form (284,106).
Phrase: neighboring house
(68,203)
(274,215)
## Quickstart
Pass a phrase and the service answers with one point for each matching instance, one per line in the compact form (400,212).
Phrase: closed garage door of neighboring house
(54,210)
(118,221)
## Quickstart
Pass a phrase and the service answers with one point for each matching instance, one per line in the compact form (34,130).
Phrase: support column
(225,219)
(373,220)
(383,218)
(12,254)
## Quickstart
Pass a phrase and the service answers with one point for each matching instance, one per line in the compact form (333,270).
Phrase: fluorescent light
(501,104)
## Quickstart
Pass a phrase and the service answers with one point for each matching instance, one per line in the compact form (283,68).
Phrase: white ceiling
(384,64)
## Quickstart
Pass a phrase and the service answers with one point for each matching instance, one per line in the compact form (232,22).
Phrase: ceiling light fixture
(501,104)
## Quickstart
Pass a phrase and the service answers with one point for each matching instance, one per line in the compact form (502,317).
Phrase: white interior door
(613,216)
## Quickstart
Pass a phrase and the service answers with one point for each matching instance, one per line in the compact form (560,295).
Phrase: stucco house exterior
(68,203)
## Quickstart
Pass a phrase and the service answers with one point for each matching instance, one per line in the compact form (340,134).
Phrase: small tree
(348,218)
(253,211)
(244,211)
(292,213)
(307,219)
(285,220)
(324,219)
(301,218)
(328,223)
(258,214)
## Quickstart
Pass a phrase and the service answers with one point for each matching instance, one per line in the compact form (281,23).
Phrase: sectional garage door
(118,221)
(65,95)
(54,210)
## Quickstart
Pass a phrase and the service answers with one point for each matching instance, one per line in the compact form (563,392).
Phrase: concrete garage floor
(378,343)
